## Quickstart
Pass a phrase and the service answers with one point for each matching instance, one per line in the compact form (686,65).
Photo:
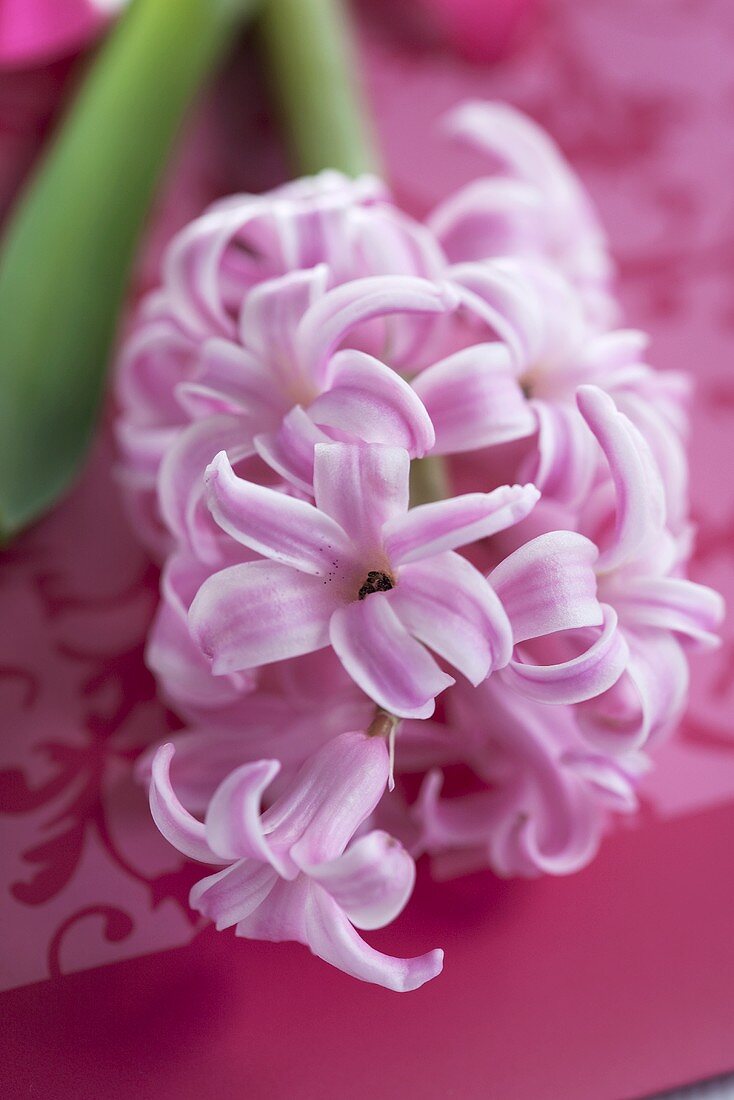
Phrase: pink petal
(181,478)
(259,612)
(488,217)
(333,793)
(228,378)
(581,678)
(329,321)
(183,672)
(446,524)
(474,400)
(232,822)
(565,460)
(193,262)
(289,450)
(233,894)
(640,494)
(278,526)
(606,777)
(373,403)
(362,488)
(155,357)
(281,915)
(512,140)
(179,828)
(671,603)
(549,584)
(381,656)
(371,882)
(646,702)
(332,938)
(270,318)
(448,605)
(496,293)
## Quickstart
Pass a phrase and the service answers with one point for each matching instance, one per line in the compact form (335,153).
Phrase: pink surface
(608,985)
(612,983)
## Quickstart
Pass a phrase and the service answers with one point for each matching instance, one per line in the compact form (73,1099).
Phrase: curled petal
(446,524)
(381,656)
(193,262)
(606,777)
(233,894)
(373,403)
(488,217)
(639,489)
(179,828)
(645,702)
(497,294)
(327,323)
(671,603)
(565,459)
(232,822)
(332,938)
(448,605)
(273,524)
(515,143)
(271,315)
(181,478)
(583,677)
(371,882)
(362,488)
(549,584)
(252,614)
(474,400)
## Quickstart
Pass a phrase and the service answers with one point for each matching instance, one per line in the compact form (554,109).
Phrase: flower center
(376,582)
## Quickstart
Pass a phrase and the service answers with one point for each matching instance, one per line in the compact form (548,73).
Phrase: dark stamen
(376,582)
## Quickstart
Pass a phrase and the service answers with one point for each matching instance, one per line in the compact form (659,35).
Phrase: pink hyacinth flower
(236,349)
(294,872)
(548,798)
(533,205)
(282,389)
(360,572)
(548,587)
(640,574)
(283,716)
(525,385)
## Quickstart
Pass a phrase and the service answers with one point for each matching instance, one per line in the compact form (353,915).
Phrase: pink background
(609,984)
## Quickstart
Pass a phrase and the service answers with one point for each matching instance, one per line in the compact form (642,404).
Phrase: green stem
(311,58)
(428,480)
(67,252)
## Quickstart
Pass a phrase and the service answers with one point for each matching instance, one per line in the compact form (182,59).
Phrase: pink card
(613,983)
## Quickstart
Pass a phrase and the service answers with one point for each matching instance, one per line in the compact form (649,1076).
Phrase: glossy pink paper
(612,983)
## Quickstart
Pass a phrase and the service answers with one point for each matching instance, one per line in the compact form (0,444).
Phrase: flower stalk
(310,56)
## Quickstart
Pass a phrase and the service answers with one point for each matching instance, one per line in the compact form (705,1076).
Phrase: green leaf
(67,252)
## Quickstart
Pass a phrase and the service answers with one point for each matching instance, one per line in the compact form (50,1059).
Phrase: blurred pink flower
(34,32)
